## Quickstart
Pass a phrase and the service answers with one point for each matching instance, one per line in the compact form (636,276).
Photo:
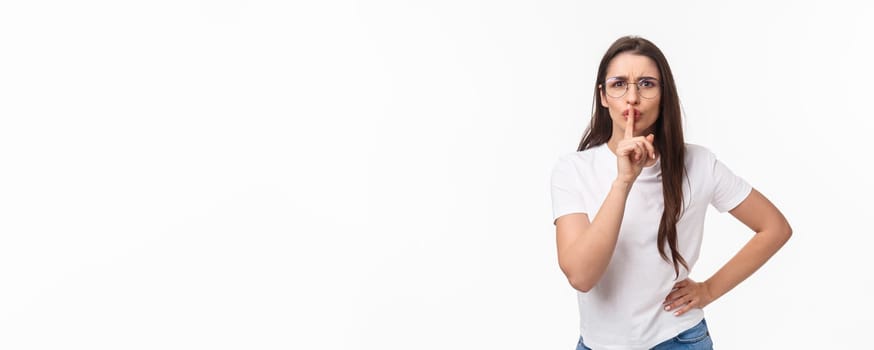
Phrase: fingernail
(667,308)
(677,313)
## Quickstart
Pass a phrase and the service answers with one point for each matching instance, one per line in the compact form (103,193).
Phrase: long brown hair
(668,131)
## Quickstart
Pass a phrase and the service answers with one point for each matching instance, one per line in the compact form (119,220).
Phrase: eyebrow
(626,78)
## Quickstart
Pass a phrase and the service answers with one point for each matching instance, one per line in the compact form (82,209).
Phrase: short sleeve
(729,189)
(567,195)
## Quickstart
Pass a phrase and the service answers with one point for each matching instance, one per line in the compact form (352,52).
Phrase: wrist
(708,290)
(621,184)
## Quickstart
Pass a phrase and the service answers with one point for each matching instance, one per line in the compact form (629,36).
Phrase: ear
(603,97)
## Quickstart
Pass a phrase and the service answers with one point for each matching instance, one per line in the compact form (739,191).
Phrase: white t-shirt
(624,309)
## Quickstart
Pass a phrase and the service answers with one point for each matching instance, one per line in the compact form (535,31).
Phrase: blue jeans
(695,338)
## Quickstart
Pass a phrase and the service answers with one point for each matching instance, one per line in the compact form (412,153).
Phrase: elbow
(577,279)
(782,232)
(581,284)
(579,276)
(787,231)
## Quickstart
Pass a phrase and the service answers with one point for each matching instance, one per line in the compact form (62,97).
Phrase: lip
(636,113)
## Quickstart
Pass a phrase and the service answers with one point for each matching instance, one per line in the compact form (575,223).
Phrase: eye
(648,83)
(616,83)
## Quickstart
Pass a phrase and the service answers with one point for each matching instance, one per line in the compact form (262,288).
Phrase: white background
(375,174)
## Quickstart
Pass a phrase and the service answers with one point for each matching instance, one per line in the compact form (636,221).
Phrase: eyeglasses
(646,87)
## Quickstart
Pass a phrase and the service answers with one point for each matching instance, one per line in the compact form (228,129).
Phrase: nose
(632,96)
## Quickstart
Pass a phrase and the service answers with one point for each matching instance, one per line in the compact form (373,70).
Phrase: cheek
(615,110)
(653,107)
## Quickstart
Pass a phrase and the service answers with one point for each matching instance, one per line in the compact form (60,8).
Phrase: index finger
(629,124)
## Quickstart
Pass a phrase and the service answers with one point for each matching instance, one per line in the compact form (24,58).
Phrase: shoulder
(578,162)
(695,151)
(699,160)
(579,158)
(699,155)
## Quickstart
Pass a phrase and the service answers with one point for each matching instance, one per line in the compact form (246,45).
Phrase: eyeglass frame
(659,85)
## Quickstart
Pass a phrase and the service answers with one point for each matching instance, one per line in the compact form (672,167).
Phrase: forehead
(630,65)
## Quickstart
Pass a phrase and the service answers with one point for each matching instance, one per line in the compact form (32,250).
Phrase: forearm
(749,259)
(588,256)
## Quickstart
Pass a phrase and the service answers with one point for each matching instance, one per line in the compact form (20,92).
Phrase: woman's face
(627,70)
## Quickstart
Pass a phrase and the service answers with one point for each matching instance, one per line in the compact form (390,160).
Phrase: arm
(772,231)
(584,248)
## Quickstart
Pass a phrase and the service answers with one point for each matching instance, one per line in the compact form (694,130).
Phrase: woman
(629,210)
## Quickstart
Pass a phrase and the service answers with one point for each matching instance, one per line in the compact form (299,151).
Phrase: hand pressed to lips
(631,115)
(633,152)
